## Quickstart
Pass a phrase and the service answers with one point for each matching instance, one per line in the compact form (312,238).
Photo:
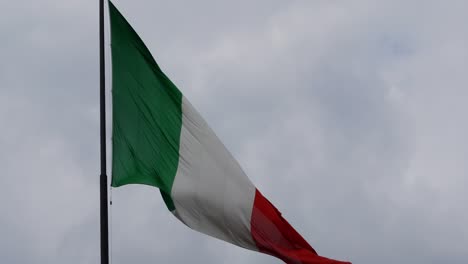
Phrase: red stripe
(275,236)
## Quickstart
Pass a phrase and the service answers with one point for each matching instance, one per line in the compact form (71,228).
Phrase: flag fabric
(159,139)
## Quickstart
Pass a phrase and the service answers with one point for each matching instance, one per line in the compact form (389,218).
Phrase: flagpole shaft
(103,177)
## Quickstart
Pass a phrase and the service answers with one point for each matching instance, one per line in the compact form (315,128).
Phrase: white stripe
(211,193)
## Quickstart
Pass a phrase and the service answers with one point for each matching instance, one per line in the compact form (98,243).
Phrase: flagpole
(103,177)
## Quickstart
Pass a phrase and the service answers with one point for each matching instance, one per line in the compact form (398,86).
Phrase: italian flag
(159,139)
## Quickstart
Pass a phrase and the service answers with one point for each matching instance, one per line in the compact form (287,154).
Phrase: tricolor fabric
(159,139)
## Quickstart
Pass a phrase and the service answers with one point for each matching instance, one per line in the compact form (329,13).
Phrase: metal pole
(103,177)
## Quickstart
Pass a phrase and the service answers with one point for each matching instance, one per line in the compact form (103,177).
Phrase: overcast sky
(350,116)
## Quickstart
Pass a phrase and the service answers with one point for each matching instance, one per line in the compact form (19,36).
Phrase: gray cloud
(348,116)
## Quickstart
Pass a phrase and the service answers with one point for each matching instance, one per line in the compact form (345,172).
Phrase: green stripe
(147,114)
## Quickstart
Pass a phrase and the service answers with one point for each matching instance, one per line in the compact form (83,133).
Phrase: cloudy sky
(350,116)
